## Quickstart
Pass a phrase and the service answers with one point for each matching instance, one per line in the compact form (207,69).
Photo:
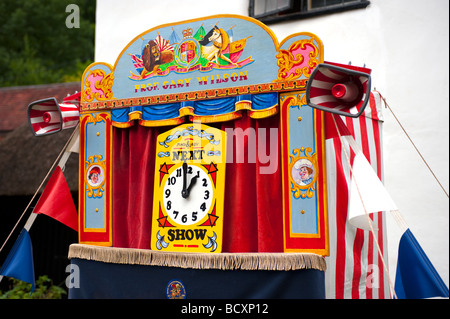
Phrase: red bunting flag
(56,201)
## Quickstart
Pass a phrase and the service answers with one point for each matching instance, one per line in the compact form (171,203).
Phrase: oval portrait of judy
(303,172)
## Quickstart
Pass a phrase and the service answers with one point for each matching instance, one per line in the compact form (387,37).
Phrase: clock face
(189,187)
(192,209)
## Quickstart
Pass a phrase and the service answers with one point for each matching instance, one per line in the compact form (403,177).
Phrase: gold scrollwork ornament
(299,60)
(101,89)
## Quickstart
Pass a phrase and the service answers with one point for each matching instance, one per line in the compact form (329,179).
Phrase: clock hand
(193,181)
(184,192)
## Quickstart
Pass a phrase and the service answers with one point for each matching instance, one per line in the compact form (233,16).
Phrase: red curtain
(253,199)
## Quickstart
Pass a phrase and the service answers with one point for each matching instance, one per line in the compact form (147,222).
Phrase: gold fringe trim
(222,261)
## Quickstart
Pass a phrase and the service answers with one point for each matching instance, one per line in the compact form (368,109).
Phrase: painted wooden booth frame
(162,77)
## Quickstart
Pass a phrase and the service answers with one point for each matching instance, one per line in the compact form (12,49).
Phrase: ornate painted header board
(207,70)
(213,57)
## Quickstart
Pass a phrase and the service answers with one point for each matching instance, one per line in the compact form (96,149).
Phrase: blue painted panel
(302,136)
(95,154)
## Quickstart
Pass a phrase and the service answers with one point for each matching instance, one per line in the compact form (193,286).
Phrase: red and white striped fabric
(354,268)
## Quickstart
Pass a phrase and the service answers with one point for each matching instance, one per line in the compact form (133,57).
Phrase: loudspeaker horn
(47,116)
(339,89)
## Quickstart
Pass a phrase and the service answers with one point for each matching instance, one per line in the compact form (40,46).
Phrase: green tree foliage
(44,290)
(37,47)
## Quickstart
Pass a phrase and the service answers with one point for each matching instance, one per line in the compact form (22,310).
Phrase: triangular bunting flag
(416,276)
(19,263)
(367,193)
(56,201)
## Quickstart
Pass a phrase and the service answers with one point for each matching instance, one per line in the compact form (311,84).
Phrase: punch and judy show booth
(217,162)
(202,160)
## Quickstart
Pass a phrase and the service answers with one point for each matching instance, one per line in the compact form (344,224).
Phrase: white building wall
(404,42)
